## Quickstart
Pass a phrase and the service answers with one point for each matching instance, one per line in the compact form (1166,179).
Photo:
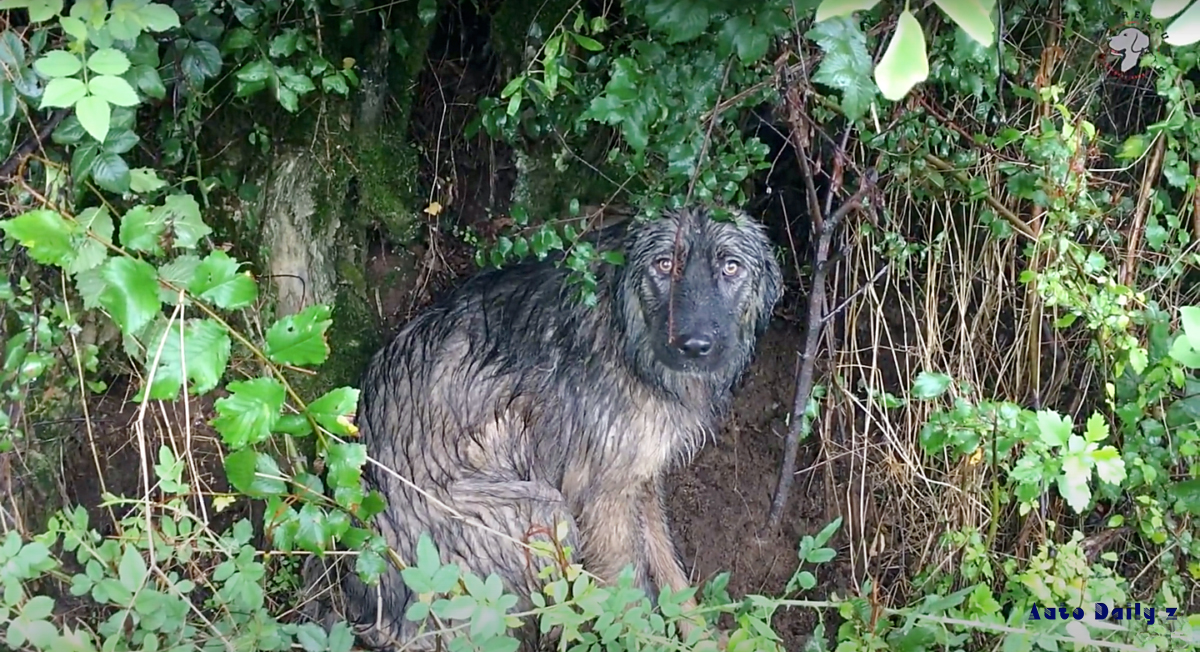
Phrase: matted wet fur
(520,407)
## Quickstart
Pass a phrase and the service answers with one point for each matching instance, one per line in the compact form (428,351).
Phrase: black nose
(695,346)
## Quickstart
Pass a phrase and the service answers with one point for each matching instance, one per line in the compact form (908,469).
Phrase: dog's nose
(695,346)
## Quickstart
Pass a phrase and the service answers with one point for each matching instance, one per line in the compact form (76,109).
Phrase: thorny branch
(824,228)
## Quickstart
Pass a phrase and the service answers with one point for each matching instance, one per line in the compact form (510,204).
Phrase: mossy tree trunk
(338,177)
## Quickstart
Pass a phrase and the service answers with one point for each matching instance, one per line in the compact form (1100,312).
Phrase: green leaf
(12,50)
(158,17)
(835,8)
(201,60)
(8,102)
(1097,428)
(1189,316)
(43,10)
(300,339)
(427,11)
(930,385)
(182,214)
(1109,465)
(312,532)
(132,570)
(1053,429)
(587,43)
(131,293)
(344,463)
(1133,147)
(178,273)
(205,355)
(254,474)
(904,64)
(45,233)
(1184,353)
(144,180)
(119,141)
(57,63)
(331,409)
(95,116)
(1073,482)
(1187,494)
(681,20)
(147,79)
(62,92)
(846,65)
(335,84)
(249,413)
(111,172)
(90,252)
(75,27)
(69,131)
(1185,29)
(140,230)
(972,17)
(108,61)
(749,40)
(218,281)
(113,89)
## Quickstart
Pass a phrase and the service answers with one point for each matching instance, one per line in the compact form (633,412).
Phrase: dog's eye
(664,265)
(731,267)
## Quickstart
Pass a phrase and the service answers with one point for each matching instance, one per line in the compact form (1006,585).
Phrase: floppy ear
(1141,42)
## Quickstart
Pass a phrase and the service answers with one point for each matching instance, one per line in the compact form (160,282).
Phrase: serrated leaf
(108,61)
(1097,428)
(205,355)
(1073,482)
(1053,429)
(1185,29)
(846,65)
(182,214)
(95,116)
(179,273)
(218,280)
(254,474)
(90,252)
(331,409)
(972,17)
(75,27)
(1109,465)
(113,89)
(111,172)
(904,64)
(750,41)
(249,413)
(43,10)
(930,385)
(131,293)
(835,8)
(119,141)
(140,230)
(158,17)
(145,180)
(681,20)
(344,463)
(57,63)
(45,233)
(300,339)
(201,60)
(62,93)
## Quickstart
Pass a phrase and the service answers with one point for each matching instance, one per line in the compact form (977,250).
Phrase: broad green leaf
(131,293)
(300,339)
(132,569)
(1187,493)
(178,273)
(1109,465)
(158,17)
(12,50)
(1166,8)
(108,61)
(148,81)
(587,43)
(749,40)
(904,64)
(1073,482)
(114,89)
(254,474)
(1053,428)
(8,101)
(144,180)
(972,17)
(1133,147)
(75,27)
(69,131)
(1190,318)
(930,385)
(182,213)
(331,410)
(58,63)
(141,229)
(834,8)
(119,141)
(111,172)
(201,60)
(427,11)
(218,281)
(43,10)
(1185,29)
(846,65)
(250,411)
(62,92)
(1097,428)
(1183,352)
(91,285)
(312,532)
(202,359)
(681,20)
(45,233)
(95,116)
(344,463)
(90,252)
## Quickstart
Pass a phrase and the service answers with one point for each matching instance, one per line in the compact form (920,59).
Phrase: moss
(546,189)
(387,186)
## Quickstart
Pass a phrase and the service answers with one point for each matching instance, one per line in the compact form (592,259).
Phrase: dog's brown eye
(731,267)
(664,265)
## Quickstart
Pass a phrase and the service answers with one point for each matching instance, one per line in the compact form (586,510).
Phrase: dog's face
(706,288)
